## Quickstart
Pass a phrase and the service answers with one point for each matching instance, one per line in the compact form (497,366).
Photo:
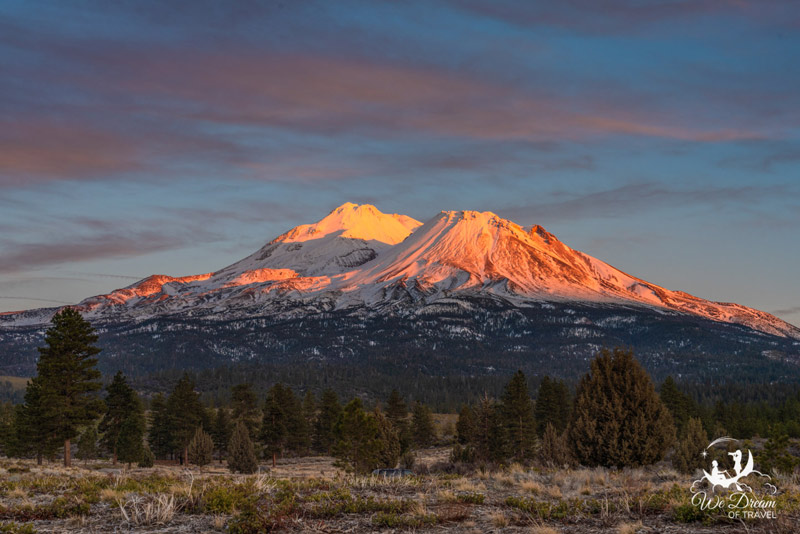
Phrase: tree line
(615,417)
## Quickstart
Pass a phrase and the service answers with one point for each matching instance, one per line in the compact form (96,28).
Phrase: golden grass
(629,528)
(543,529)
(499,519)
(531,486)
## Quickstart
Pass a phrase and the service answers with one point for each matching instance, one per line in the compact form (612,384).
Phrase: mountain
(461,278)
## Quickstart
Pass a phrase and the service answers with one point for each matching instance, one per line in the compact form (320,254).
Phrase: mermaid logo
(745,492)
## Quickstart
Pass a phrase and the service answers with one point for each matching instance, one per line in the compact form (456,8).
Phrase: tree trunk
(115,455)
(38,458)
(185,460)
(274,458)
(67,459)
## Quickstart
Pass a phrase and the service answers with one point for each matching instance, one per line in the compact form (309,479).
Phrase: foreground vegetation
(310,494)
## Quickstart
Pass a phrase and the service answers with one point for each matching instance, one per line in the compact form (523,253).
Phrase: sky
(138,137)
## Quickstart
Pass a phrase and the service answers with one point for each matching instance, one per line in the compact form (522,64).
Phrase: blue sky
(150,137)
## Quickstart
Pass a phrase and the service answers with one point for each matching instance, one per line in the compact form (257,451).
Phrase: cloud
(787,311)
(627,199)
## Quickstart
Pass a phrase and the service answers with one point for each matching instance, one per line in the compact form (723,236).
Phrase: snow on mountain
(359,257)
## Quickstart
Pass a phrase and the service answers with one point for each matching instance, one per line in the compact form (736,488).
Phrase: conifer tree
(160,435)
(298,433)
(241,454)
(221,432)
(201,448)
(309,412)
(553,405)
(489,438)
(554,451)
(130,439)
(387,441)
(465,426)
(422,428)
(148,459)
(776,456)
(688,453)
(34,430)
(358,447)
(244,408)
(87,444)
(618,419)
(325,424)
(185,414)
(68,377)
(274,430)
(120,401)
(517,411)
(396,409)
(676,402)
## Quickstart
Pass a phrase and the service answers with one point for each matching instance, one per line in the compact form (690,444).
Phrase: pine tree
(388,441)
(676,402)
(396,409)
(688,454)
(776,456)
(148,459)
(517,412)
(221,432)
(69,378)
(120,400)
(298,433)
(465,426)
(185,414)
(553,405)
(241,454)
(201,448)
(324,426)
(554,451)
(274,431)
(358,447)
(244,408)
(34,430)
(489,438)
(309,412)
(422,428)
(618,419)
(87,444)
(159,435)
(130,440)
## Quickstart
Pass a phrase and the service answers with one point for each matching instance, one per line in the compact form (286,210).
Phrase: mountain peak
(355,221)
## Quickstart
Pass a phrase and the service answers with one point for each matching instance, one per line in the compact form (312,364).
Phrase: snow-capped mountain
(360,258)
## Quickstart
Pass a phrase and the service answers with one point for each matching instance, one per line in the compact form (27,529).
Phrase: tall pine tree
(121,400)
(185,414)
(325,424)
(244,408)
(159,435)
(517,411)
(69,377)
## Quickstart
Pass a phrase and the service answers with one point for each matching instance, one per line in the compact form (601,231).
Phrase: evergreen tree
(517,411)
(185,414)
(489,438)
(159,435)
(69,377)
(358,447)
(244,408)
(120,401)
(387,441)
(201,448)
(7,439)
(422,428)
(87,444)
(221,432)
(554,451)
(241,454)
(309,412)
(688,454)
(148,459)
(396,409)
(130,440)
(274,430)
(465,426)
(298,432)
(325,424)
(676,402)
(553,405)
(618,419)
(34,430)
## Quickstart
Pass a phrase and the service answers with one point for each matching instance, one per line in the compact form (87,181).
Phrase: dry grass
(499,519)
(143,510)
(17,493)
(543,529)
(531,486)
(465,484)
(629,528)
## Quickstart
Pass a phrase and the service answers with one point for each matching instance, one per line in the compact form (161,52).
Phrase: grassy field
(311,495)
